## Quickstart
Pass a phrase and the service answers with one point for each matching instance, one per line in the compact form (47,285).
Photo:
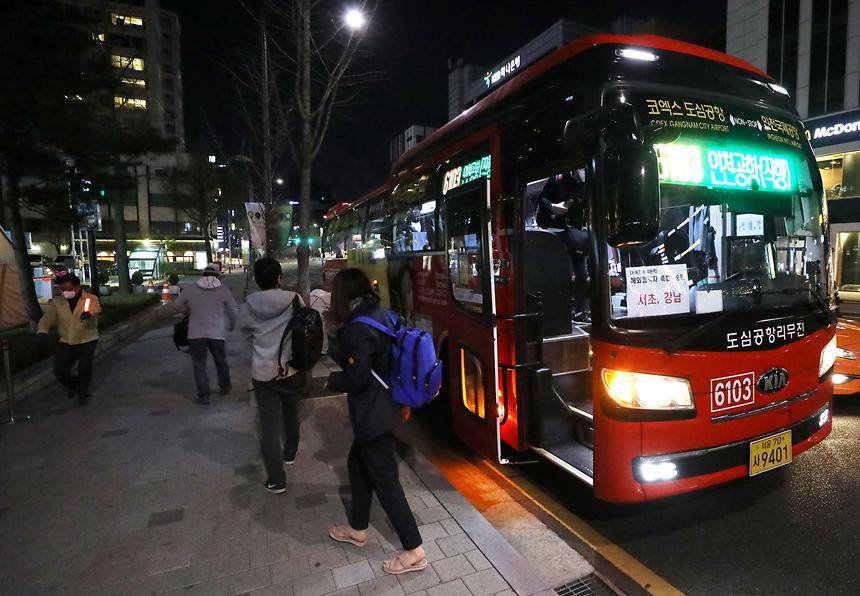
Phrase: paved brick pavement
(146,492)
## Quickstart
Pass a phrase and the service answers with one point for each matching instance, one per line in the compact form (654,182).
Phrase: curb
(513,567)
(34,379)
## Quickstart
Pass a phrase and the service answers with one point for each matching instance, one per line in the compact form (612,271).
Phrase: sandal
(343,536)
(388,566)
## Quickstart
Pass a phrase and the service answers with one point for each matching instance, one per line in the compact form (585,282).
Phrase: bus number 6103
(735,391)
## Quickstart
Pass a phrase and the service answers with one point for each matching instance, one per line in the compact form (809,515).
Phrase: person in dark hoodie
(264,317)
(364,354)
(211,312)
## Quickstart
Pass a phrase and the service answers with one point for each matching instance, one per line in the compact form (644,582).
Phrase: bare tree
(324,80)
(304,40)
(263,89)
(204,192)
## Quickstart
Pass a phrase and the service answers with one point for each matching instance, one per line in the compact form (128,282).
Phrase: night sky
(412,43)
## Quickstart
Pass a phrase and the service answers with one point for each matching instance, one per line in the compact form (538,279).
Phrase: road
(792,531)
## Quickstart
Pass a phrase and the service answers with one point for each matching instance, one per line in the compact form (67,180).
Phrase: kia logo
(773,380)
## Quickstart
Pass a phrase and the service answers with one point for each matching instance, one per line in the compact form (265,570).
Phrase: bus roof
(562,55)
(532,72)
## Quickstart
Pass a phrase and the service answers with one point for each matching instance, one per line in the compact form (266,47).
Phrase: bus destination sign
(725,167)
(455,177)
(696,115)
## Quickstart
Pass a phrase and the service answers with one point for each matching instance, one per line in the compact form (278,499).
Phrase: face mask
(69,294)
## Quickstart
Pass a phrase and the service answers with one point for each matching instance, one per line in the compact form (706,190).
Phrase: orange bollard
(165,293)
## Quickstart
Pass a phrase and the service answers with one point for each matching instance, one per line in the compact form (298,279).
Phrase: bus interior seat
(546,273)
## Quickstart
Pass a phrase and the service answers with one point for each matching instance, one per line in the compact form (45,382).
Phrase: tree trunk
(25,272)
(303,249)
(121,244)
(305,159)
(209,257)
(267,140)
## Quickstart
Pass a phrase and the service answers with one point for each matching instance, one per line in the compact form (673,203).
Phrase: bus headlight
(647,392)
(840,379)
(828,357)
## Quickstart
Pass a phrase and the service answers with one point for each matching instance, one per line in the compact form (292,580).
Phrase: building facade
(143,44)
(143,40)
(468,83)
(812,48)
(407,140)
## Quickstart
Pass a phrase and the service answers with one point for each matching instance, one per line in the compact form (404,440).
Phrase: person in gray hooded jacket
(264,317)
(211,312)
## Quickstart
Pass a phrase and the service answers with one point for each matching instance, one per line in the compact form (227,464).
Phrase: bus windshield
(740,229)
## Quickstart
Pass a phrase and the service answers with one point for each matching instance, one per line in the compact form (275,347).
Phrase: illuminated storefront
(835,138)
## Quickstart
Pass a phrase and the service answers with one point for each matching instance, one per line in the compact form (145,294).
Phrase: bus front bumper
(693,470)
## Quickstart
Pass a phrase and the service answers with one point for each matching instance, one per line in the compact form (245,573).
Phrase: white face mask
(69,294)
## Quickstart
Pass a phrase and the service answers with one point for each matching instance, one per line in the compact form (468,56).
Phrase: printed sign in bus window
(657,290)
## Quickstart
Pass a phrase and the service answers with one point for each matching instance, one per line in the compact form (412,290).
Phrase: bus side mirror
(631,190)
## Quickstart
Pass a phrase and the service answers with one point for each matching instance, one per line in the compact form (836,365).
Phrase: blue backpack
(416,373)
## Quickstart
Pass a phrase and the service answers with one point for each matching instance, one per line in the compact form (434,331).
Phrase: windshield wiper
(825,308)
(819,301)
(682,341)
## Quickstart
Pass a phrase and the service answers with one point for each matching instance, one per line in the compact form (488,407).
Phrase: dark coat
(362,348)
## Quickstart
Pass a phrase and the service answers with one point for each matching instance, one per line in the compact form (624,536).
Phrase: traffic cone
(165,293)
(150,287)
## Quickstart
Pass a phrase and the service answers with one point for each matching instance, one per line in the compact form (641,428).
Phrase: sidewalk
(146,492)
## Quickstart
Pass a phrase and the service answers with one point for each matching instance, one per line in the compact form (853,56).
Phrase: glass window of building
(836,55)
(124,20)
(129,103)
(133,82)
(827,56)
(848,255)
(128,62)
(782,34)
(831,176)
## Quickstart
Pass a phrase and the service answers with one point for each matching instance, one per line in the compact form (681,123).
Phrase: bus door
(472,354)
(557,271)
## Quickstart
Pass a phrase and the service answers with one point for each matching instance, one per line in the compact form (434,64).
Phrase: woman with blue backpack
(366,337)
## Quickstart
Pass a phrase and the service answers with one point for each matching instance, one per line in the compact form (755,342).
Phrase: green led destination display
(738,168)
(480,168)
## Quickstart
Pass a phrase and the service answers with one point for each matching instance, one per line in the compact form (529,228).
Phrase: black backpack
(180,334)
(305,333)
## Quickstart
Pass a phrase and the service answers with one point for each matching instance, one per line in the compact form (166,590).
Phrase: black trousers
(278,405)
(198,349)
(64,360)
(373,468)
(576,241)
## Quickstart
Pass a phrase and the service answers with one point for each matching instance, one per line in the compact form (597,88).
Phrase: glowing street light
(279,181)
(354,19)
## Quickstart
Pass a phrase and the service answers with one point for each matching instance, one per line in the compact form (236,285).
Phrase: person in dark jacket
(365,354)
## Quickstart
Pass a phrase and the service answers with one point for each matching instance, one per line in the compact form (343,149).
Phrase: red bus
(622,255)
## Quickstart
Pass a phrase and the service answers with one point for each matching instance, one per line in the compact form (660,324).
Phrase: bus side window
(378,231)
(412,209)
(334,244)
(354,229)
(466,254)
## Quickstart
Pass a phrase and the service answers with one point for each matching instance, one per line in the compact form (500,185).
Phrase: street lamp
(354,19)
(279,180)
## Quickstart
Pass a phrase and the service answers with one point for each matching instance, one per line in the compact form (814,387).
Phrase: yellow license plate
(770,452)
